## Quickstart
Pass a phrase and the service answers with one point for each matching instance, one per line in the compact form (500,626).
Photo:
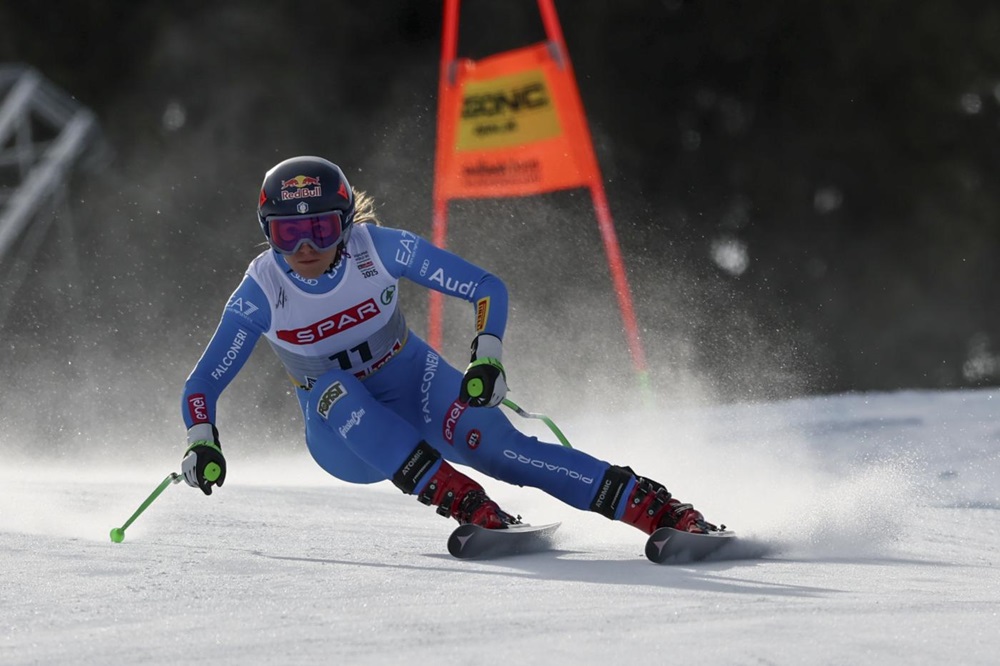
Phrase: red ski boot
(463,499)
(651,506)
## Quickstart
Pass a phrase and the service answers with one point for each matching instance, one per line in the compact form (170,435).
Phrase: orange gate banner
(512,124)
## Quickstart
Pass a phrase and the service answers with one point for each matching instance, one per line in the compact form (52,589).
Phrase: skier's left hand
(485,382)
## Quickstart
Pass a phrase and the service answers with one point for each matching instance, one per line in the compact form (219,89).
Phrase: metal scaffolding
(44,136)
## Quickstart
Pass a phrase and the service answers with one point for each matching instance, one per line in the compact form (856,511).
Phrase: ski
(474,542)
(669,546)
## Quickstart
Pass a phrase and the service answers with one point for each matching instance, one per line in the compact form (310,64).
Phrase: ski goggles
(287,233)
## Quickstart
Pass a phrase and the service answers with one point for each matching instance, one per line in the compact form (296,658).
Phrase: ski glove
(203,464)
(485,382)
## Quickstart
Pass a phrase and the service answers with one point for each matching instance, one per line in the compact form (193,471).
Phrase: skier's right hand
(203,464)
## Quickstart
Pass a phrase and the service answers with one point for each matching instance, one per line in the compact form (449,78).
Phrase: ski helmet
(306,188)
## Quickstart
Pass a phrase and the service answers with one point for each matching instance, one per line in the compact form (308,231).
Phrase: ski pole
(529,415)
(118,533)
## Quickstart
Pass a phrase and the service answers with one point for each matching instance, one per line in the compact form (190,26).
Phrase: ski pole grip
(212,472)
(474,387)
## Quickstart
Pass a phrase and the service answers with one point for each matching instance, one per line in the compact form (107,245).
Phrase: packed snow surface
(869,534)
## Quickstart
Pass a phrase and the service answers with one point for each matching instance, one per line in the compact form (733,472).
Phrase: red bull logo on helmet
(300,187)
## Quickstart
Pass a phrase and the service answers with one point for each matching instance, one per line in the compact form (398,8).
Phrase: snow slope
(870,525)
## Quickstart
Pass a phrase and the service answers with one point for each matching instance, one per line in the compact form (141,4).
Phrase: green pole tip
(117,534)
(475,387)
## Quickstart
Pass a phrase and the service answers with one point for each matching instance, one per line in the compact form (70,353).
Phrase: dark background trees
(804,192)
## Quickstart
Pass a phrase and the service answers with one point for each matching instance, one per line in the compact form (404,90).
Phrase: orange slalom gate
(512,124)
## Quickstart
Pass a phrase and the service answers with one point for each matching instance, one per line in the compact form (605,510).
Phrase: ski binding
(474,542)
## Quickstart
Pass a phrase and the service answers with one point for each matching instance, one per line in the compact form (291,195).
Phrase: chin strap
(341,254)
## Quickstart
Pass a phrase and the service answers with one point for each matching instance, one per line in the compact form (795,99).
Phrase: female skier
(379,403)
